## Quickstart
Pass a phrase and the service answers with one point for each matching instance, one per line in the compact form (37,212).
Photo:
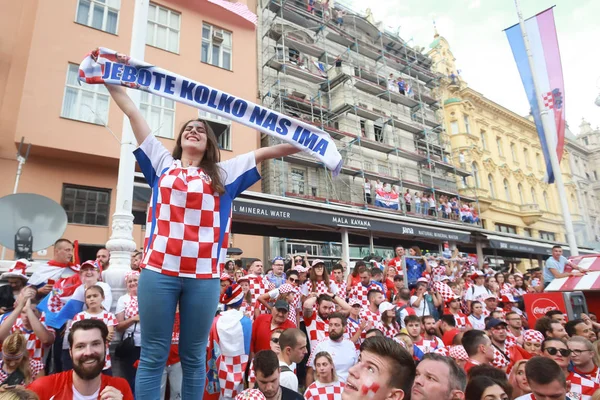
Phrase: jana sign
(242,207)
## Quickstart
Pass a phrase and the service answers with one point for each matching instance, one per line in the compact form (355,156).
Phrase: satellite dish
(30,222)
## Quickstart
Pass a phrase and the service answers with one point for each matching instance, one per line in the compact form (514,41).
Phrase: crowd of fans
(448,329)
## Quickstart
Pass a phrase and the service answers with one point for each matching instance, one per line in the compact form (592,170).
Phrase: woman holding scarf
(186,245)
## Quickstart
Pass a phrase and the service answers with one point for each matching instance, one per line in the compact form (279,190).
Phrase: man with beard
(428,341)
(103,256)
(317,323)
(87,341)
(342,350)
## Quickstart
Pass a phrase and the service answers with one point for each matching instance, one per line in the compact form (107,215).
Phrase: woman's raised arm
(140,127)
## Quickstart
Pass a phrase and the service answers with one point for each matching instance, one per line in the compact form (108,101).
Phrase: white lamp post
(121,243)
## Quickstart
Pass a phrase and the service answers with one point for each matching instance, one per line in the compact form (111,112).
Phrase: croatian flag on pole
(543,42)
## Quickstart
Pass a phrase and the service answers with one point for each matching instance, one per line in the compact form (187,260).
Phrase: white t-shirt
(79,396)
(288,379)
(423,308)
(477,323)
(343,353)
(474,292)
(121,305)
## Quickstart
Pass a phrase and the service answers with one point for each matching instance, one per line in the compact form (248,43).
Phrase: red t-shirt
(448,336)
(60,386)
(261,332)
(468,365)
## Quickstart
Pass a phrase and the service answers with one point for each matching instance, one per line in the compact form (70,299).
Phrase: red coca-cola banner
(538,304)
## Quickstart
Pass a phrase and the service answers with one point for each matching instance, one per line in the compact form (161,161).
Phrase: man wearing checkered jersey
(186,240)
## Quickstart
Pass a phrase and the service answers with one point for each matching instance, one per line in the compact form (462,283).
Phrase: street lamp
(121,244)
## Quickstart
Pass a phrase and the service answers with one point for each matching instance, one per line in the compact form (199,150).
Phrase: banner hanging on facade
(543,42)
(107,66)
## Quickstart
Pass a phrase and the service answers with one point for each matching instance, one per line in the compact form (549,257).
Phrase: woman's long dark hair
(212,155)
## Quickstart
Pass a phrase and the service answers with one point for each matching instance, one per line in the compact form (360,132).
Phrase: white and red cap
(250,394)
(508,298)
(316,262)
(477,274)
(130,274)
(17,270)
(354,301)
(90,263)
(226,277)
(286,288)
(533,336)
(243,278)
(386,306)
(300,268)
(422,280)
(458,353)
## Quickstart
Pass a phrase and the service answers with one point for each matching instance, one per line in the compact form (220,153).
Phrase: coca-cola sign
(541,306)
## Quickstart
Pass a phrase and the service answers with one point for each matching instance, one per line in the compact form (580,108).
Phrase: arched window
(533,197)
(521,196)
(492,188)
(475,170)
(546,201)
(506,190)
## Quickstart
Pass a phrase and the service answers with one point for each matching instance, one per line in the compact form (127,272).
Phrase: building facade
(74,156)
(502,151)
(373,93)
(584,151)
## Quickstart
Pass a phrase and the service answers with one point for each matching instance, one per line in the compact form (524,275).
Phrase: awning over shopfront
(589,281)
(277,213)
(527,246)
(522,245)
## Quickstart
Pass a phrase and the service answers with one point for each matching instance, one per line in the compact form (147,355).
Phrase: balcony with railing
(530,213)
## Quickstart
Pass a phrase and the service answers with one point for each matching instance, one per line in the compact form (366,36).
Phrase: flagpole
(550,142)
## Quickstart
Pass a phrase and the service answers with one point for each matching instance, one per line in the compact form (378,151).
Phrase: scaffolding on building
(334,69)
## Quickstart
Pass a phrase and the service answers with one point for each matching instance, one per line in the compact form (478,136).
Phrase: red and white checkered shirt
(247,309)
(462,321)
(316,328)
(500,360)
(34,365)
(34,344)
(341,289)
(321,288)
(188,234)
(259,285)
(594,375)
(108,318)
(389,331)
(581,386)
(369,316)
(324,391)
(360,293)
(231,374)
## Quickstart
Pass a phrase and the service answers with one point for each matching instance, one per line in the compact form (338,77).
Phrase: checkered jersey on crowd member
(324,391)
(189,222)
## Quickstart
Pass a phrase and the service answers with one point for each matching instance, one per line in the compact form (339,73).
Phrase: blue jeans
(158,296)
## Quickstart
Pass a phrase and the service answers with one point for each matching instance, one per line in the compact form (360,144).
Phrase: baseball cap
(354,302)
(494,322)
(477,274)
(282,305)
(508,298)
(385,306)
(488,296)
(317,261)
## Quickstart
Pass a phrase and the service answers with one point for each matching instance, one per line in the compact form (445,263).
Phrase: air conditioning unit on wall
(217,36)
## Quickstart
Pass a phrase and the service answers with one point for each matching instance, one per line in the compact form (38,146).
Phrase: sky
(474,30)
